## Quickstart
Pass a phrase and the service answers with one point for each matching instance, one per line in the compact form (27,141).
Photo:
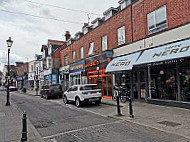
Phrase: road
(57,122)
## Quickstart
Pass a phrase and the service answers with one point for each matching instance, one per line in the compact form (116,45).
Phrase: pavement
(11,123)
(169,119)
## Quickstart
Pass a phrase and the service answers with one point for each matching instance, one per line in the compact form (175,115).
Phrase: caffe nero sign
(122,63)
(167,52)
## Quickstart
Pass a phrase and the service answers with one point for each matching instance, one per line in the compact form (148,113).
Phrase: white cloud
(30,33)
(13,58)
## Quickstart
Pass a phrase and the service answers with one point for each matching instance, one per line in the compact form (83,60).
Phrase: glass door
(139,84)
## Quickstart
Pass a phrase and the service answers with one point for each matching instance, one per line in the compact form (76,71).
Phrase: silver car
(83,93)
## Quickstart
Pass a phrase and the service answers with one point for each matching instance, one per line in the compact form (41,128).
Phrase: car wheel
(98,102)
(41,96)
(46,97)
(78,102)
(65,99)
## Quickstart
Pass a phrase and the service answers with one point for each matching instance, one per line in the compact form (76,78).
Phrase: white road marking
(53,140)
(85,128)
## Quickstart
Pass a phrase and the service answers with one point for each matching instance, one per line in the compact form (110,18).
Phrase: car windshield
(55,87)
(92,87)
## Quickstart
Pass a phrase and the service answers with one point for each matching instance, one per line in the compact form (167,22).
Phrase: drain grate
(169,123)
(44,124)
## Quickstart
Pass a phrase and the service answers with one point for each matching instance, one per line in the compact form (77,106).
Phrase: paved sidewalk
(169,119)
(11,123)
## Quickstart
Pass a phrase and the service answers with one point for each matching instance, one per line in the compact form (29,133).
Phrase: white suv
(83,93)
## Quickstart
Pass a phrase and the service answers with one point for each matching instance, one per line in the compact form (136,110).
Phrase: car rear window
(93,87)
(55,87)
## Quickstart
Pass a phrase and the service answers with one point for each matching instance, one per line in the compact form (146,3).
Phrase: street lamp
(9,44)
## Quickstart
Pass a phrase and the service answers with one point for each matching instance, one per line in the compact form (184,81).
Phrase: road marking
(85,128)
(53,140)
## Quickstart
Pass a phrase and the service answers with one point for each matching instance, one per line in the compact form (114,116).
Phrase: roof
(55,42)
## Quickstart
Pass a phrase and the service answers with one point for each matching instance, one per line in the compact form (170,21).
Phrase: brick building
(22,75)
(134,29)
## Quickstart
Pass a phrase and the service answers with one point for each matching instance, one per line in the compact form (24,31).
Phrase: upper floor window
(66,60)
(74,56)
(124,3)
(157,20)
(121,35)
(32,68)
(104,43)
(91,49)
(82,52)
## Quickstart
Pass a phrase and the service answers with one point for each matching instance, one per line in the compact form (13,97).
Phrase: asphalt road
(61,123)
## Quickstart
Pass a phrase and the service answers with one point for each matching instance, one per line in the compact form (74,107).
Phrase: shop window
(104,43)
(185,84)
(121,35)
(163,82)
(157,20)
(91,49)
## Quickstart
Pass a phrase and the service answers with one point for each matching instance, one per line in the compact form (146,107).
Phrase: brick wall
(178,13)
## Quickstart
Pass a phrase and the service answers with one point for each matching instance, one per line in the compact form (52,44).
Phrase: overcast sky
(29,33)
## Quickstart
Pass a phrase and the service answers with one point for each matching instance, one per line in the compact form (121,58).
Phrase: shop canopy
(122,63)
(175,50)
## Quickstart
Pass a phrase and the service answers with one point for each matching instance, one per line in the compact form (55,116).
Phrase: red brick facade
(178,13)
(20,70)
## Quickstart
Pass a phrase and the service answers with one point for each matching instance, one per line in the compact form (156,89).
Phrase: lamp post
(9,44)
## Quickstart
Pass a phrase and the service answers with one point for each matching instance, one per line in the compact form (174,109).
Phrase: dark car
(54,90)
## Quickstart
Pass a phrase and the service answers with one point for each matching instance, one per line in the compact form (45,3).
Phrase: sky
(29,33)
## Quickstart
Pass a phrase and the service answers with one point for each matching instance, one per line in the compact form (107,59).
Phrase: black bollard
(131,108)
(24,128)
(118,107)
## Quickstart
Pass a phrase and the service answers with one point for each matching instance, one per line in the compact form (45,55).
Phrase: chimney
(67,35)
(85,25)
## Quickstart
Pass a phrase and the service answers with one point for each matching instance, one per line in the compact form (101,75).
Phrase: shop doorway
(139,84)
(105,79)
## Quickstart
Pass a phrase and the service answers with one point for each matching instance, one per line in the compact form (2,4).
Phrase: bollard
(24,128)
(131,108)
(118,106)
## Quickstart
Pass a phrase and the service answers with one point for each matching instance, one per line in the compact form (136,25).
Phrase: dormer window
(91,49)
(109,13)
(124,3)
(96,22)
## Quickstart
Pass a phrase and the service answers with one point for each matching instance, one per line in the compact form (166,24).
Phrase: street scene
(95,71)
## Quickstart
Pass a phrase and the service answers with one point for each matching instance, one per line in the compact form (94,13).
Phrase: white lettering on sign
(172,50)
(124,62)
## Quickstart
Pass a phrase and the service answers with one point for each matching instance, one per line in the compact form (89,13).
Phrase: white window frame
(74,56)
(82,52)
(66,60)
(152,18)
(104,42)
(91,49)
(121,35)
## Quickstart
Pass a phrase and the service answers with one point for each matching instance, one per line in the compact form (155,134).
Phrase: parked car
(13,88)
(83,93)
(54,90)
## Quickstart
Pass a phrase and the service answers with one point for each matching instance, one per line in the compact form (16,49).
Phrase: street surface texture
(65,123)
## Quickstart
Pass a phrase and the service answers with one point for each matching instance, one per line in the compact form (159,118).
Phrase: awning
(122,63)
(175,50)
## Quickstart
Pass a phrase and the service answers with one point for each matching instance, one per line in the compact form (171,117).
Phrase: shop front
(77,73)
(160,74)
(132,80)
(168,71)
(95,70)
(64,77)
